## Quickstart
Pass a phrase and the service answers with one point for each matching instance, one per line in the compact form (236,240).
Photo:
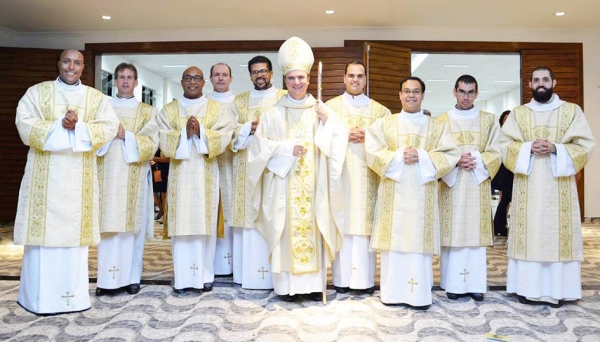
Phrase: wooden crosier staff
(324,266)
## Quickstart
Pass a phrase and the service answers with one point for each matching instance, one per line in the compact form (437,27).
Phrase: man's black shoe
(133,288)
(288,298)
(207,287)
(452,296)
(341,289)
(478,297)
(101,292)
(370,290)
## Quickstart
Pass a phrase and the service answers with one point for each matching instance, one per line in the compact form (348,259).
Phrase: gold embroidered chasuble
(193,185)
(545,223)
(59,196)
(465,208)
(297,213)
(246,109)
(406,213)
(126,189)
(360,182)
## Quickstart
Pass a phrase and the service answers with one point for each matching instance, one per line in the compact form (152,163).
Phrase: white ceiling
(23,16)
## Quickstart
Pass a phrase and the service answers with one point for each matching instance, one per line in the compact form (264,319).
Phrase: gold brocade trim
(144,143)
(565,223)
(100,168)
(239,199)
(566,115)
(214,147)
(38,198)
(132,193)
(39,132)
(524,123)
(172,111)
(96,131)
(485,227)
(208,121)
(519,231)
(384,157)
(242,101)
(220,219)
(384,240)
(578,156)
(430,189)
(446,214)
(512,155)
(87,205)
(171,209)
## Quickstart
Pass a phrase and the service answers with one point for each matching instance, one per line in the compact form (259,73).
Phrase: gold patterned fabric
(59,196)
(193,186)
(407,212)
(465,209)
(545,217)
(126,188)
(360,182)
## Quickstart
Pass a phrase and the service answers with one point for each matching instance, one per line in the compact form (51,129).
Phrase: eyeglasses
(189,78)
(462,93)
(261,72)
(415,92)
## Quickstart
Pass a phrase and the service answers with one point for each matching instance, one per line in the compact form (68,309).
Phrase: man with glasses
(545,143)
(220,77)
(354,265)
(410,152)
(124,172)
(465,202)
(193,132)
(251,266)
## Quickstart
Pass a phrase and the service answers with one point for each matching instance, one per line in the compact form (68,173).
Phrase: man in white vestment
(126,188)
(193,132)
(545,143)
(465,197)
(354,265)
(251,266)
(220,77)
(410,152)
(299,151)
(64,122)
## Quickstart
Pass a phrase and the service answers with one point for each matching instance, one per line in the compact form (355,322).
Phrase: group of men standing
(273,185)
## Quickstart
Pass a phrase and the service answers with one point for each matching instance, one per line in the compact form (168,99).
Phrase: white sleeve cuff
(201,142)
(480,173)
(81,141)
(426,168)
(282,160)
(562,164)
(524,159)
(450,177)
(130,148)
(396,167)
(185,145)
(58,138)
(243,139)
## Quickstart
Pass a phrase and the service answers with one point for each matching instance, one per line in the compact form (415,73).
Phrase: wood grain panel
(334,64)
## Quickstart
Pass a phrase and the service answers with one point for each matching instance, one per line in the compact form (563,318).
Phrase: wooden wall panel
(334,63)
(19,69)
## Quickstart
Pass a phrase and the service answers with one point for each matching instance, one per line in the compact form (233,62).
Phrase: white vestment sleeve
(130,148)
(480,173)
(282,160)
(562,163)
(426,168)
(201,142)
(185,145)
(58,138)
(450,177)
(244,138)
(524,159)
(396,167)
(102,150)
(81,141)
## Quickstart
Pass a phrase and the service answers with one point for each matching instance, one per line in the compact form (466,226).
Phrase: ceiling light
(456,66)
(559,14)
(106,17)
(502,81)
(437,80)
(175,66)
(329,12)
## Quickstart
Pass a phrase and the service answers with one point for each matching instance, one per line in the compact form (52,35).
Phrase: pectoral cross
(228,257)
(114,271)
(464,274)
(412,282)
(194,267)
(69,295)
(263,271)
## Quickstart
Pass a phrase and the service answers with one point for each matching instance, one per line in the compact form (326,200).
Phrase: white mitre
(295,54)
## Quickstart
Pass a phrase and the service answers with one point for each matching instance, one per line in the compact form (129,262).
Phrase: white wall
(500,103)
(331,37)
(145,78)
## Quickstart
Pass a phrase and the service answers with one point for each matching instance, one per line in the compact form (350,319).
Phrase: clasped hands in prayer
(467,162)
(542,146)
(70,120)
(411,155)
(193,127)
(357,135)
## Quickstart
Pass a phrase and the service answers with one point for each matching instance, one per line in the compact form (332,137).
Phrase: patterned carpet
(229,313)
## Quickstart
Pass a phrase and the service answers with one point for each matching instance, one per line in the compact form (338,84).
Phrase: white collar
(226,97)
(554,103)
(356,100)
(456,113)
(70,87)
(121,102)
(416,117)
(185,102)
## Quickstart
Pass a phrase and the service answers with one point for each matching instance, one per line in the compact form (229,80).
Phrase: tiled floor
(229,313)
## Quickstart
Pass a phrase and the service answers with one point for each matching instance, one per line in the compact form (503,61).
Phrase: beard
(543,96)
(265,85)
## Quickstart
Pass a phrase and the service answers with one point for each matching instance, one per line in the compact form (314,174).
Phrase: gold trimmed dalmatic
(294,214)
(406,213)
(360,182)
(545,223)
(124,187)
(244,109)
(59,195)
(465,208)
(193,185)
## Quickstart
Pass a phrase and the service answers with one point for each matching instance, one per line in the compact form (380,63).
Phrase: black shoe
(557,305)
(452,296)
(420,308)
(370,290)
(341,289)
(133,288)
(478,297)
(101,292)
(207,287)
(288,298)
(316,296)
(179,291)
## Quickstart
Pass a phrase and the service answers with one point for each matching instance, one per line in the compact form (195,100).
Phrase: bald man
(193,131)
(63,122)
